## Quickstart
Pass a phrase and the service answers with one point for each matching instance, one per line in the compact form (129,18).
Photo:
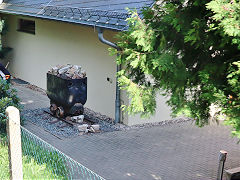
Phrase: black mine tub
(67,96)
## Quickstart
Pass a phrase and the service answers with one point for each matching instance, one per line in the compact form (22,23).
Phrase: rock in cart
(67,90)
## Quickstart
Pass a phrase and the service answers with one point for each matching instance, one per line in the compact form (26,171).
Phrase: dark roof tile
(109,14)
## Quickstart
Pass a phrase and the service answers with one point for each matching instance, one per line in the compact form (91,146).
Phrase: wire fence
(185,151)
(30,157)
(42,160)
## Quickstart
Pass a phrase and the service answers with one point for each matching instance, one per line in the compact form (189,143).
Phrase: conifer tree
(184,50)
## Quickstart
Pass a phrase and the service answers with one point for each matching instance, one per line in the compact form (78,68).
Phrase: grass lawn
(31,170)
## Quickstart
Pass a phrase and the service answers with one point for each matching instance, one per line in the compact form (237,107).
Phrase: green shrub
(8,97)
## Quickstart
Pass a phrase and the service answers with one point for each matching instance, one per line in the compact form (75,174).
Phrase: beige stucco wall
(62,43)
(163,113)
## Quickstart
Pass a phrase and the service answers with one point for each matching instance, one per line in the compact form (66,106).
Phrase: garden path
(172,152)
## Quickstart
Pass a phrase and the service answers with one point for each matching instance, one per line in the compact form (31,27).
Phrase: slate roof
(110,14)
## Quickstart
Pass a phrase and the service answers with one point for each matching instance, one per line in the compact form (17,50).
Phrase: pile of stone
(86,128)
(83,127)
(76,119)
(68,71)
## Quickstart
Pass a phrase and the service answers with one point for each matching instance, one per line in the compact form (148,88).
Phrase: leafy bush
(8,97)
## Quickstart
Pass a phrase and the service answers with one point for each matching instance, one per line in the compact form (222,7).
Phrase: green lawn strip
(45,154)
(39,161)
(31,169)
(4,168)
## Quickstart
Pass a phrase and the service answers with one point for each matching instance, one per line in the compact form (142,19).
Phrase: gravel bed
(178,120)
(42,119)
(108,123)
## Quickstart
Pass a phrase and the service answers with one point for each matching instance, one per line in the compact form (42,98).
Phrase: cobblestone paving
(175,152)
(172,152)
(31,99)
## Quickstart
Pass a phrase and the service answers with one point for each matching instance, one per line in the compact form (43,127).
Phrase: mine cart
(67,96)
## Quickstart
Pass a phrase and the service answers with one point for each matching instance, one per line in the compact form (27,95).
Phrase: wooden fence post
(14,143)
(222,159)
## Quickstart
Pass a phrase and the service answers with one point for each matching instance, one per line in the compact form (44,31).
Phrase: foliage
(181,51)
(226,16)
(8,97)
(227,19)
(3,29)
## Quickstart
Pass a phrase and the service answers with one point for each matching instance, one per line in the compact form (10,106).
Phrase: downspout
(117,101)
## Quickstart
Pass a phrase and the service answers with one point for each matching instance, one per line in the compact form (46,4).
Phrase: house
(44,33)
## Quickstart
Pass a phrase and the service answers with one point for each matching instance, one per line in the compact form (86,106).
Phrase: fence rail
(40,159)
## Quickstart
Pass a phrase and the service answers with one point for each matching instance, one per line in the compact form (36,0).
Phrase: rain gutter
(117,100)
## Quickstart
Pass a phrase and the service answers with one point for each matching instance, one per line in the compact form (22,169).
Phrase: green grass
(38,161)
(4,168)
(44,154)
(31,169)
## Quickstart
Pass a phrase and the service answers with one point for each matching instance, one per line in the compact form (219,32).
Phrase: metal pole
(222,159)
(117,101)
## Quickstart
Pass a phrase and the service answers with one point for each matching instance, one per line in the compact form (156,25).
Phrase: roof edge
(61,20)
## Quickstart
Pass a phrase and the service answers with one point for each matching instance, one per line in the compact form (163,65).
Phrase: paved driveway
(172,152)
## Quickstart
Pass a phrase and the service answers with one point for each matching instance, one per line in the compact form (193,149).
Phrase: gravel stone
(83,127)
(60,128)
(107,123)
(42,119)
